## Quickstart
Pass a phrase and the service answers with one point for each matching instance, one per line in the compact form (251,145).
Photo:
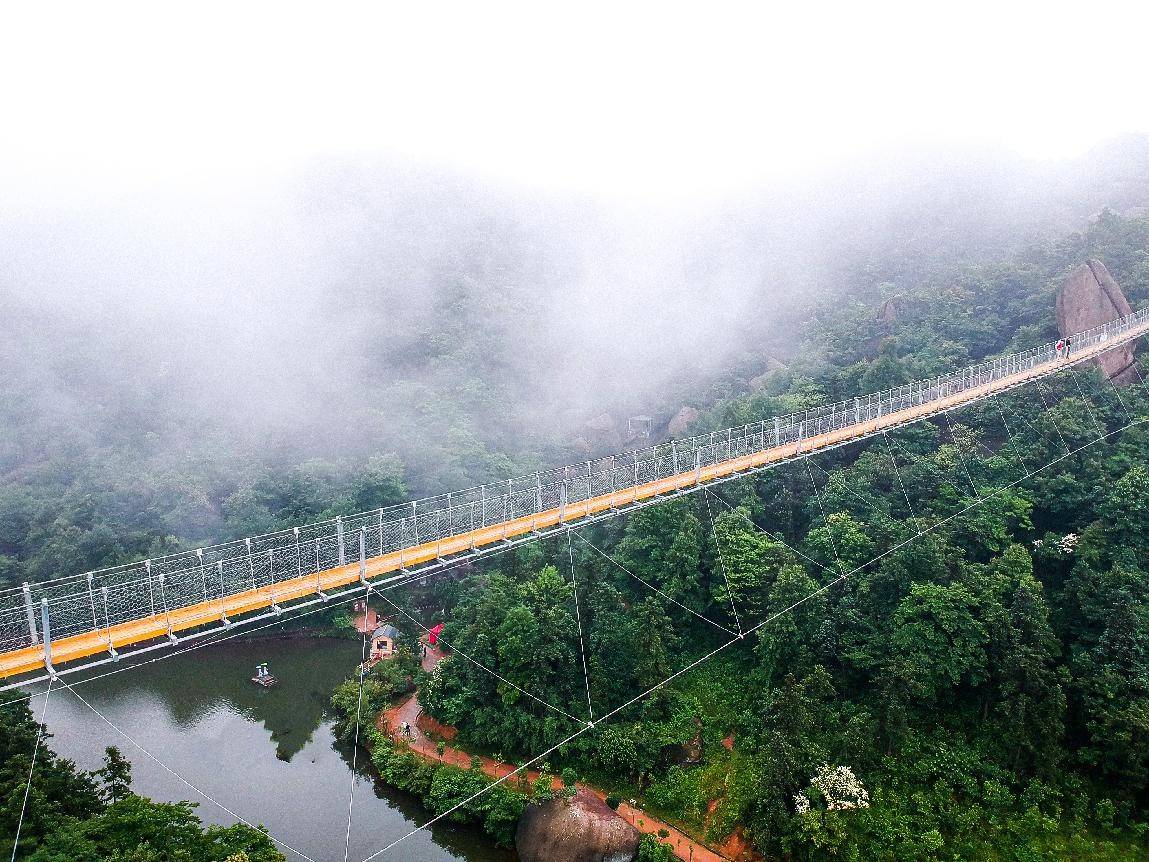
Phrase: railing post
(562,501)
(339,537)
(107,618)
(673,458)
(219,569)
(33,635)
(380,532)
(167,610)
(92,602)
(778,430)
(151,589)
(697,466)
(30,613)
(298,552)
(363,555)
(251,561)
(46,628)
(203,572)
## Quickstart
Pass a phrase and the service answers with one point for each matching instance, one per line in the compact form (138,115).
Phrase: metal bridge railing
(98,600)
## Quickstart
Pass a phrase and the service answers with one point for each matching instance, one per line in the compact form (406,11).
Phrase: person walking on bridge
(1061,348)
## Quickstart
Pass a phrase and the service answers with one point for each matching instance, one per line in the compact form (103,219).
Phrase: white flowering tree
(836,788)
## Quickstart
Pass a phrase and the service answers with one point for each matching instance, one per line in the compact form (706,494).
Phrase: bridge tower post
(33,635)
(46,628)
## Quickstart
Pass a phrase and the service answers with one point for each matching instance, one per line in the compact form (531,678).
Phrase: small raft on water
(263,676)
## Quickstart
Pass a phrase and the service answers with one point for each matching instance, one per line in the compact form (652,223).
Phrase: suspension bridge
(89,619)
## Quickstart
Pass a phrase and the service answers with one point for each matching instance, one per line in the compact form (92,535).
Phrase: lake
(269,755)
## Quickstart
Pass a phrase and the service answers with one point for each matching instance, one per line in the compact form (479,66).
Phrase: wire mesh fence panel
(122,602)
(186,587)
(327,552)
(69,615)
(14,629)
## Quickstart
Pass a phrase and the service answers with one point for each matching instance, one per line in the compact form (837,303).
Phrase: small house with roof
(384,642)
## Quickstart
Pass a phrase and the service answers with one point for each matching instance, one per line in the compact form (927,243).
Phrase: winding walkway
(391,722)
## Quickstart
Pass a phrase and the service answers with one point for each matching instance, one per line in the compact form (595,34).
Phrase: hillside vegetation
(977,688)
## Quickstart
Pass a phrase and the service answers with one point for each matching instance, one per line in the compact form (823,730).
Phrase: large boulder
(582,828)
(1090,297)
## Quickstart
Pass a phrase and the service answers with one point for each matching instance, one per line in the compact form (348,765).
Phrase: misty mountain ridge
(368,307)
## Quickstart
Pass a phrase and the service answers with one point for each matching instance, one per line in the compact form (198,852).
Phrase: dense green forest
(976,688)
(77,816)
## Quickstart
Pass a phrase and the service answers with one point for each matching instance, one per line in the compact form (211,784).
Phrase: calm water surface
(269,755)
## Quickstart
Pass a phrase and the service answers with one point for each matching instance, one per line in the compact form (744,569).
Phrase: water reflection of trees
(194,686)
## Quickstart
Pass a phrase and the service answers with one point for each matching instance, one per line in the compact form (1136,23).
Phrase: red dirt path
(391,722)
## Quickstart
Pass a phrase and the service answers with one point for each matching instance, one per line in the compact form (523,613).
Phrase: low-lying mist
(361,307)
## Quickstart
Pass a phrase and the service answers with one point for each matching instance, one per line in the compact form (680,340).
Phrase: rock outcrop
(682,421)
(580,829)
(1088,298)
(890,310)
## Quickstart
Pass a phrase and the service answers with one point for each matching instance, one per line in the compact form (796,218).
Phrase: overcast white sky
(631,100)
